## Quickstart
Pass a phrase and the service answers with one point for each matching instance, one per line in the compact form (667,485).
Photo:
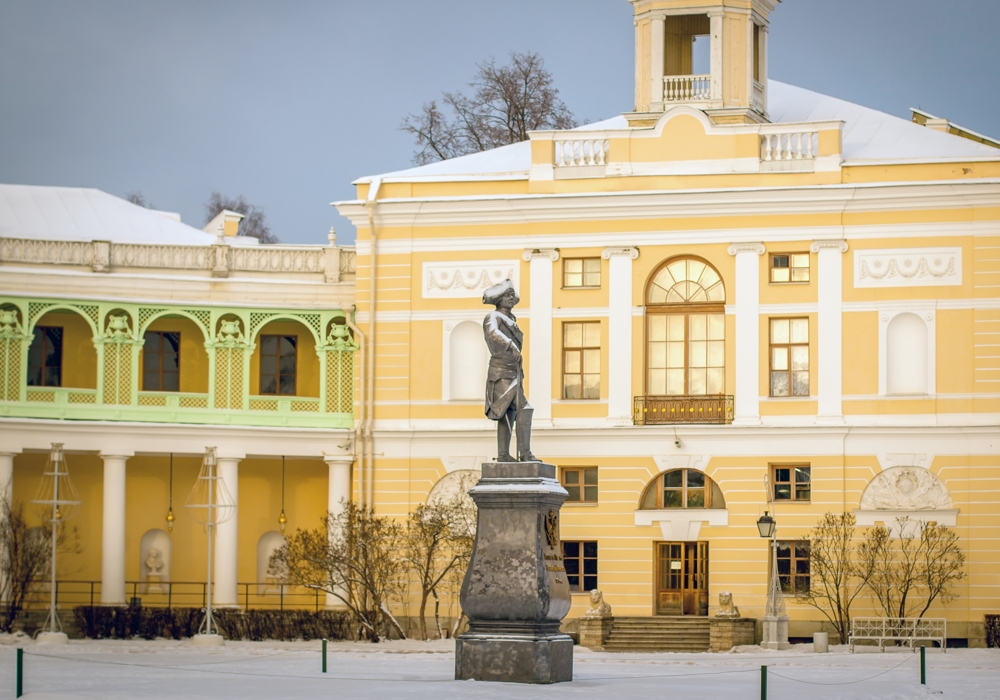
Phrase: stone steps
(641,634)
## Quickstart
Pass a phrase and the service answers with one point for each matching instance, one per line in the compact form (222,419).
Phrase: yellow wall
(79,359)
(194,357)
(307,361)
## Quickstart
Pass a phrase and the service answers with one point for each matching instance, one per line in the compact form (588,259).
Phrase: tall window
(581,272)
(278,364)
(161,364)
(789,357)
(686,331)
(580,560)
(793,566)
(792,482)
(682,488)
(580,483)
(45,357)
(790,267)
(582,360)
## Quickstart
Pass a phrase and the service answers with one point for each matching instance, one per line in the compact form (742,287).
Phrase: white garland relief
(466,279)
(908,267)
(906,488)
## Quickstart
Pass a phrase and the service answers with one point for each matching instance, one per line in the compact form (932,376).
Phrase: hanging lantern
(282,519)
(170,507)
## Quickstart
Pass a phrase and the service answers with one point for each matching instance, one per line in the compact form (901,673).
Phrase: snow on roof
(85,214)
(868,135)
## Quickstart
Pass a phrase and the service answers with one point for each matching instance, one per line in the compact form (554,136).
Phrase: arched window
(682,488)
(685,330)
(906,355)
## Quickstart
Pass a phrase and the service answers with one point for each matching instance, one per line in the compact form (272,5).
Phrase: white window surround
(447,328)
(682,524)
(928,313)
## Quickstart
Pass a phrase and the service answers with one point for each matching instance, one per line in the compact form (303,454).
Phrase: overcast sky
(287,103)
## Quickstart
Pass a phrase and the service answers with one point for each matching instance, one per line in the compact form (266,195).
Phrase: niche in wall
(155,554)
(268,578)
(466,361)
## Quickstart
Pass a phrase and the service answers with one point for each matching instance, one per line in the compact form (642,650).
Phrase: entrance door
(682,578)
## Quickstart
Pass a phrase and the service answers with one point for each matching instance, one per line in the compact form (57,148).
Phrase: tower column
(540,334)
(657,41)
(715,52)
(224,577)
(620,333)
(746,407)
(113,531)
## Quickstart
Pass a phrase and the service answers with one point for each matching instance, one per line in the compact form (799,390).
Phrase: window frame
(582,349)
(771,345)
(277,372)
(793,588)
(581,484)
(159,352)
(581,558)
(771,268)
(44,336)
(583,273)
(792,482)
(658,486)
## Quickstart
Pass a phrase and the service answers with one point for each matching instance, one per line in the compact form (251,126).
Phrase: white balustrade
(687,88)
(579,152)
(792,144)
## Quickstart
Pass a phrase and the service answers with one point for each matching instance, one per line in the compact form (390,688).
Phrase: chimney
(226,223)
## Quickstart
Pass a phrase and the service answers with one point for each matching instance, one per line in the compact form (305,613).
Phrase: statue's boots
(523,426)
(503,440)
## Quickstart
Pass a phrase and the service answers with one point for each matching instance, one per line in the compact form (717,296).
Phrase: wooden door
(682,578)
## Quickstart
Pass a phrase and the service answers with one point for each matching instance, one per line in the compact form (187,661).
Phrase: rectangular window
(581,272)
(793,566)
(581,483)
(582,360)
(789,357)
(161,363)
(278,364)
(687,354)
(790,267)
(792,482)
(580,560)
(45,357)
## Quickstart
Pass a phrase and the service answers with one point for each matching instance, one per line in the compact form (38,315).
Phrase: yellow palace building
(137,342)
(737,290)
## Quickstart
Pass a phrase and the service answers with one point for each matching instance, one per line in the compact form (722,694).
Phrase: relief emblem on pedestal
(552,529)
(906,488)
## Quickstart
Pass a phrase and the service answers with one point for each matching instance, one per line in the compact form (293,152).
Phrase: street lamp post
(775,620)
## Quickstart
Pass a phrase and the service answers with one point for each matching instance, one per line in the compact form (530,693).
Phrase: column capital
(608,253)
(530,254)
(838,244)
(230,457)
(754,247)
(338,459)
(118,454)
(716,12)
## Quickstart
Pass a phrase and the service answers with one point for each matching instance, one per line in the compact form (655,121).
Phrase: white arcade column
(224,577)
(339,495)
(746,409)
(113,530)
(539,370)
(620,333)
(6,484)
(830,288)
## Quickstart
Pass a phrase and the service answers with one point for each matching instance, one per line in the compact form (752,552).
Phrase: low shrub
(284,625)
(992,631)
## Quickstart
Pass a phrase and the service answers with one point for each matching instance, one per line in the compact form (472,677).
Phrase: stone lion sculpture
(598,608)
(726,607)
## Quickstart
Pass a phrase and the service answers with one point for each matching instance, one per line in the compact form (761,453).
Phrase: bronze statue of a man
(505,401)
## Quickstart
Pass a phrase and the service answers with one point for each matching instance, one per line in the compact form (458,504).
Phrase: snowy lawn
(419,670)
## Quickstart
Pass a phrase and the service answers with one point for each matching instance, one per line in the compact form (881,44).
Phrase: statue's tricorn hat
(496,292)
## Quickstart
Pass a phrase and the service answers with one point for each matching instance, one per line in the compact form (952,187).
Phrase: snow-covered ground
(421,670)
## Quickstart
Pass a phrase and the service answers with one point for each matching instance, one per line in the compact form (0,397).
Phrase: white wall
(466,360)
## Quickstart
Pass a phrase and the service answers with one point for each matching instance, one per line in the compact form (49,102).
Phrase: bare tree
(254,223)
(25,557)
(913,570)
(354,557)
(508,101)
(837,575)
(137,198)
(439,543)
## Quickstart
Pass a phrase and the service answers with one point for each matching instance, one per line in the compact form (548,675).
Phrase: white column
(539,370)
(6,486)
(339,494)
(224,576)
(763,66)
(620,333)
(657,40)
(113,531)
(746,409)
(715,48)
(830,290)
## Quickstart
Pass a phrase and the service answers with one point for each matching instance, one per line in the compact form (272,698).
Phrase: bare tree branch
(254,223)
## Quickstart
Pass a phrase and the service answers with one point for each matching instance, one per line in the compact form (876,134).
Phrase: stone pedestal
(153,584)
(594,631)
(52,638)
(728,632)
(775,632)
(515,590)
(821,642)
(207,640)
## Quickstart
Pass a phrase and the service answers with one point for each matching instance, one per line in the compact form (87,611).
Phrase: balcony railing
(687,88)
(664,410)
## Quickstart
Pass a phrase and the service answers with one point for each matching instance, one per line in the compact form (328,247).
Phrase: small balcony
(668,410)
(687,88)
